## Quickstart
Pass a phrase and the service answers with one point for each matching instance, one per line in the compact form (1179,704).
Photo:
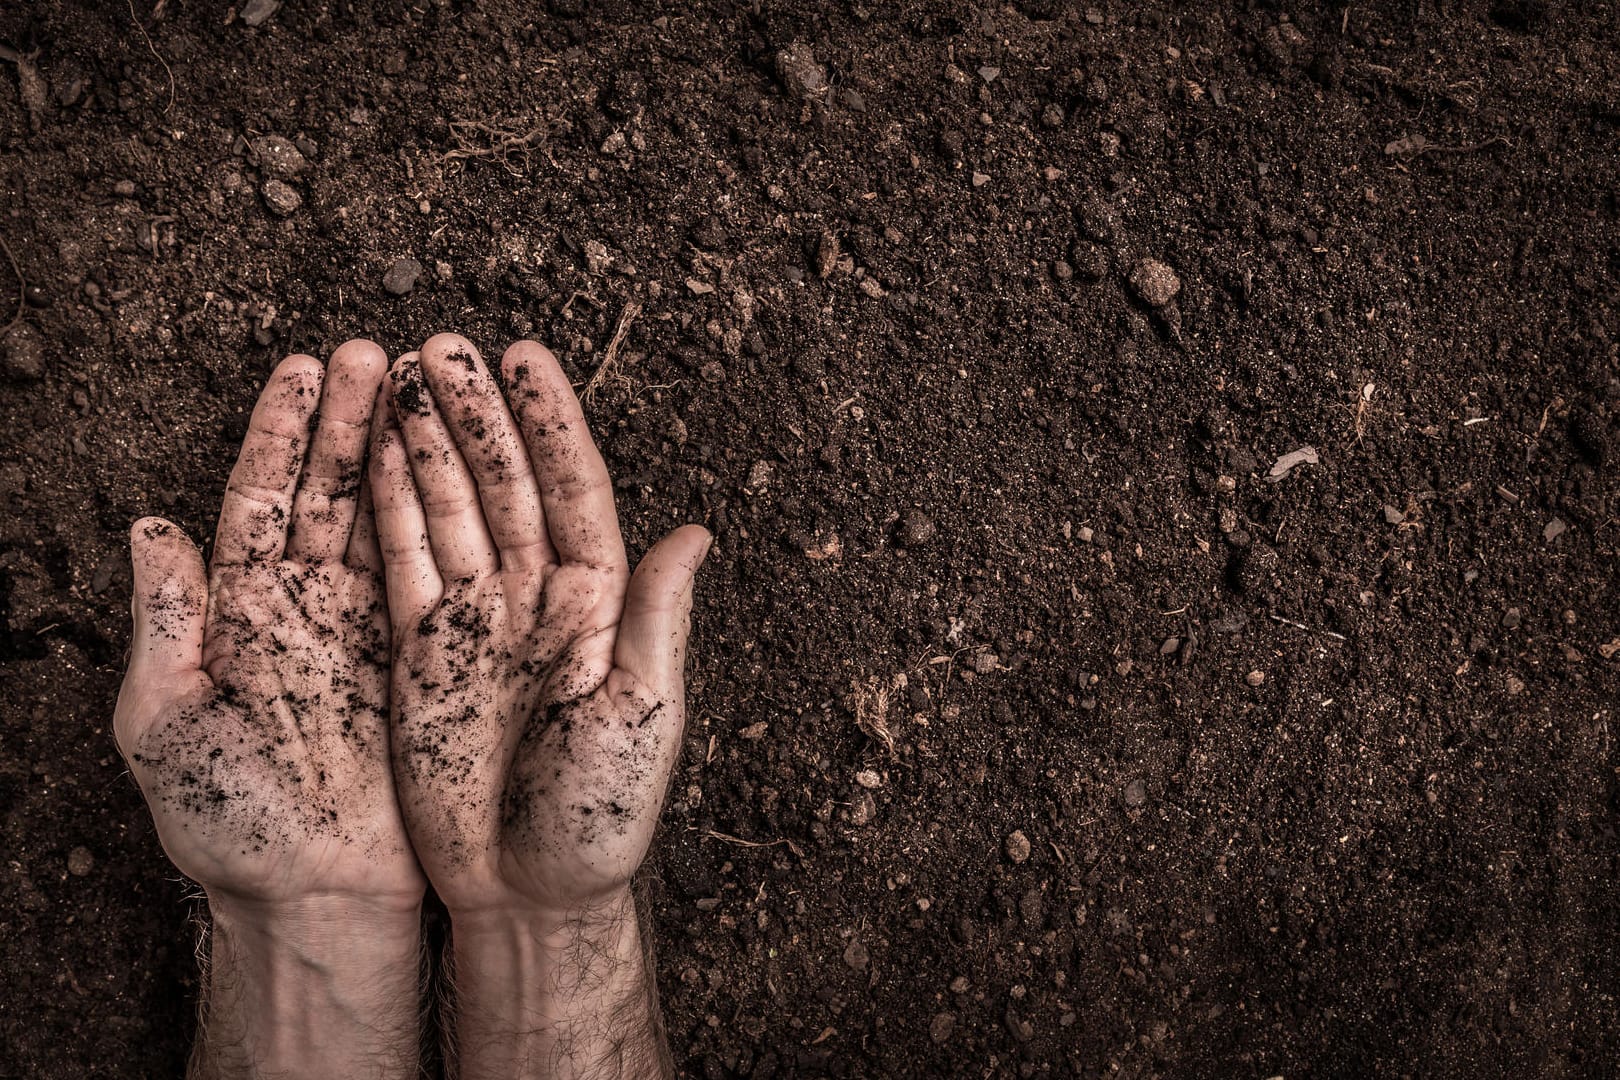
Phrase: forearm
(572,998)
(319,988)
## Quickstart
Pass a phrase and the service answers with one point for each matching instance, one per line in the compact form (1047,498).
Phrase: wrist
(347,925)
(569,988)
(548,926)
(318,986)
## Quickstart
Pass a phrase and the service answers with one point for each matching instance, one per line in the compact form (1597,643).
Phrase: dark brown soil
(1192,773)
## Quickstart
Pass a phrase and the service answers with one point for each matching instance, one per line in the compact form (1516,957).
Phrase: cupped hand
(538,688)
(254,714)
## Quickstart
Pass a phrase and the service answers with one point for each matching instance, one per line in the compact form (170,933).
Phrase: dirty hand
(254,717)
(538,702)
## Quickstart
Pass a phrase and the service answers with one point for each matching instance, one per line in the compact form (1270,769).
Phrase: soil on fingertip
(1049,716)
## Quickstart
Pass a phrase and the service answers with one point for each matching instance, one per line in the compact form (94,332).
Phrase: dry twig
(609,368)
(740,842)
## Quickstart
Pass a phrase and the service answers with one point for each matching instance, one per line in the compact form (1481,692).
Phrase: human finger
(462,547)
(575,489)
(410,575)
(325,504)
(482,426)
(257,508)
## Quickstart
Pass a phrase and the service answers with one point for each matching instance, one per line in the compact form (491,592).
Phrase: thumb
(170,607)
(657,612)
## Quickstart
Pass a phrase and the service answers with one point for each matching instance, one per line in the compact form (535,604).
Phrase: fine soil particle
(845,242)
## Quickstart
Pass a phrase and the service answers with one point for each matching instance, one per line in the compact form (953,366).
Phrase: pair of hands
(418,656)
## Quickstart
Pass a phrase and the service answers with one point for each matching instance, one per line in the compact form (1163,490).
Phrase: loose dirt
(1038,724)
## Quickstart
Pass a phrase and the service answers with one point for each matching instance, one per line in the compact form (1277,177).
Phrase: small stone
(826,253)
(759,477)
(699,288)
(1512,618)
(107,570)
(1085,533)
(256,12)
(1135,793)
(281,198)
(980,179)
(1169,646)
(278,158)
(80,862)
(916,529)
(940,1028)
(401,277)
(1154,283)
(124,189)
(825,548)
(1016,846)
(22,354)
(1555,528)
(797,68)
(862,808)
(989,73)
(597,257)
(856,955)
(1392,515)
(1255,678)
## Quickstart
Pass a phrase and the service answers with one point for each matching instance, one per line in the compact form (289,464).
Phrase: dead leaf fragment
(1305,455)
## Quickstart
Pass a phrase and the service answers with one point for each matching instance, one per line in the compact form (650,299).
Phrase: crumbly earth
(1311,767)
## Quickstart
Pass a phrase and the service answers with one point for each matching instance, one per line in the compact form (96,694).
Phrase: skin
(254,718)
(538,703)
(467,681)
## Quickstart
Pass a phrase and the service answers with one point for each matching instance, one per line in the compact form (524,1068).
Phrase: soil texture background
(1043,720)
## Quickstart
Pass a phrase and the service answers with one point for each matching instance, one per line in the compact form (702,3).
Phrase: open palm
(254,714)
(538,690)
